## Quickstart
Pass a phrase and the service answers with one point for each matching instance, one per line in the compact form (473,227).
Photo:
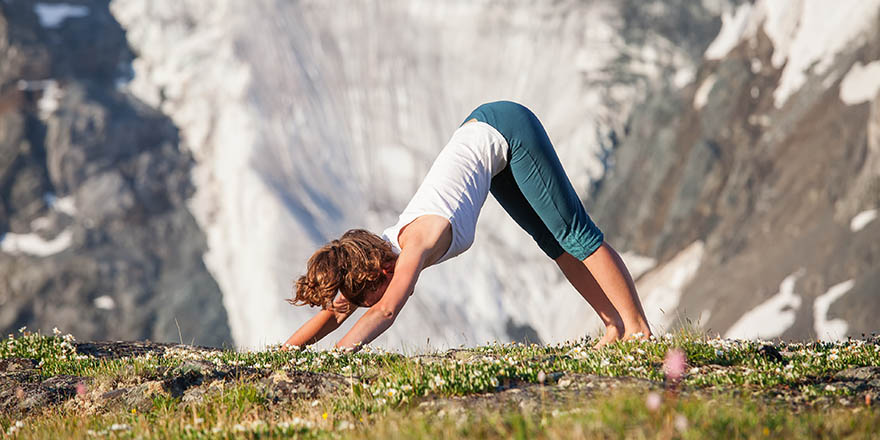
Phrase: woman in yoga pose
(501,148)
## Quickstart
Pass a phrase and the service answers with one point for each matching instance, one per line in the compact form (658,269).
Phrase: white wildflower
(119,427)
(681,423)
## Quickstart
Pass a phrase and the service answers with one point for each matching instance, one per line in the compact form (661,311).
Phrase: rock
(858,374)
(10,365)
(187,378)
(303,385)
(193,395)
(770,353)
(22,395)
(113,394)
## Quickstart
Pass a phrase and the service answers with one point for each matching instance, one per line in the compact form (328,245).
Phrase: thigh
(541,179)
(505,189)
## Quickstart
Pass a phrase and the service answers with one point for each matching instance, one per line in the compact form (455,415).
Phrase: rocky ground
(130,388)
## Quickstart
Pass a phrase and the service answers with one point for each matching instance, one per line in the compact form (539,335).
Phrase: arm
(379,317)
(319,326)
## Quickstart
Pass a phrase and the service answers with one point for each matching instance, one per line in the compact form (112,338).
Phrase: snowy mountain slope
(309,118)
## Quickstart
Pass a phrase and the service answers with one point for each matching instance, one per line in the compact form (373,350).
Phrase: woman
(500,148)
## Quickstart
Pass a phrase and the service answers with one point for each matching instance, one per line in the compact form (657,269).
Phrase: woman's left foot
(613,333)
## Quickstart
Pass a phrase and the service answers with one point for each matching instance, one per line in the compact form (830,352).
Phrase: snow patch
(702,94)
(661,289)
(806,35)
(637,264)
(33,244)
(861,83)
(772,317)
(733,26)
(809,44)
(756,66)
(50,97)
(834,329)
(51,15)
(64,205)
(41,223)
(683,77)
(104,302)
(862,219)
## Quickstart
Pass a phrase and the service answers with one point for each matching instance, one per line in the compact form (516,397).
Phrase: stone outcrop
(95,236)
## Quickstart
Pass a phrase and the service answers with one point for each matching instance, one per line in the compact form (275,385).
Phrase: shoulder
(429,235)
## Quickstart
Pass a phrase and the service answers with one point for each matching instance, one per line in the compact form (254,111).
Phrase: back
(457,185)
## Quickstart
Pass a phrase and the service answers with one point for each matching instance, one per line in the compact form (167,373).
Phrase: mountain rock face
(95,237)
(755,187)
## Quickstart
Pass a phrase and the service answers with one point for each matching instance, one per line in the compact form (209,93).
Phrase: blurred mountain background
(168,166)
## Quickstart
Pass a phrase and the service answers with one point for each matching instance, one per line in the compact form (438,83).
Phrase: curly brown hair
(351,265)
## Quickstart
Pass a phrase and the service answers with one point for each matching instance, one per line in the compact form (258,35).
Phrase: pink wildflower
(653,401)
(674,365)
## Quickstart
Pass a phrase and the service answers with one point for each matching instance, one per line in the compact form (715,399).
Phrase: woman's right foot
(638,332)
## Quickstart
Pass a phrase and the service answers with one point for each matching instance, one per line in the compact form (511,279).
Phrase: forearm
(312,331)
(368,328)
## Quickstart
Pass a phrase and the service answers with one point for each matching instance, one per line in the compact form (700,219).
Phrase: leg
(611,275)
(506,191)
(582,280)
(535,178)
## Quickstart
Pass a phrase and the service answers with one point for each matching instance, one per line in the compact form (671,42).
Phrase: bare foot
(639,334)
(613,333)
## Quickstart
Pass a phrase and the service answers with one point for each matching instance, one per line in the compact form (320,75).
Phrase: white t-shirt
(457,185)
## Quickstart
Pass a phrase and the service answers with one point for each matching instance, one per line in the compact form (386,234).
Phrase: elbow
(386,314)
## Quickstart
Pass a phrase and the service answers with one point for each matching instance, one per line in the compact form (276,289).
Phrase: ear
(388,269)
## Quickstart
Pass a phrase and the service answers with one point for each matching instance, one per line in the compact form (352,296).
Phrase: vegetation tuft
(50,384)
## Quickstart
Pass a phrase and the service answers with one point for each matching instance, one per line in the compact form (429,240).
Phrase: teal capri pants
(533,188)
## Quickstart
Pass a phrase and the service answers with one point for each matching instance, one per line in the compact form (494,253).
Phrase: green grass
(729,389)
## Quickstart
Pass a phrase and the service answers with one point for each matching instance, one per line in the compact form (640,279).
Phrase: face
(371,297)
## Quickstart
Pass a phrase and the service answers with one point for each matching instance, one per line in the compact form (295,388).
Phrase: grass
(729,388)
